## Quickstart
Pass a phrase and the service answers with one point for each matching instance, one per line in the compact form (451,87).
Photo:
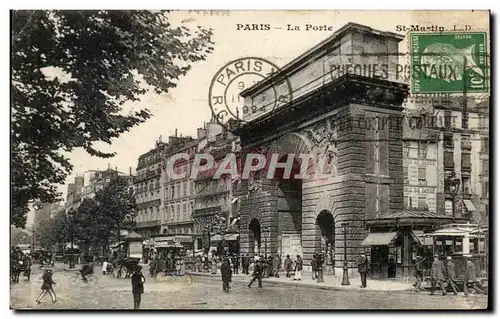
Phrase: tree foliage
(98,220)
(53,232)
(72,71)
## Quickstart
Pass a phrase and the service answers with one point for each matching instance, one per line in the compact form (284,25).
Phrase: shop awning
(184,239)
(231,237)
(379,239)
(168,245)
(216,238)
(468,204)
(68,246)
(234,200)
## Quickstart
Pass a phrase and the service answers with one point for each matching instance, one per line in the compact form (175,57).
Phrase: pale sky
(186,107)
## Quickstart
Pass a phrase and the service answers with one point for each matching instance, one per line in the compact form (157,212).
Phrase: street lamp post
(345,275)
(71,258)
(453,186)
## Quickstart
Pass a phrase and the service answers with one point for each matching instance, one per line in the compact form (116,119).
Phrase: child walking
(47,286)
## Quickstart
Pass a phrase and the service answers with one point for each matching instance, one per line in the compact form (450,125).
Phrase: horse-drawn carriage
(125,267)
(18,265)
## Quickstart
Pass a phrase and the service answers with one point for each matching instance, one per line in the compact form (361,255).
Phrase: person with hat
(419,272)
(226,273)
(450,274)
(47,287)
(470,279)
(363,265)
(298,268)
(257,272)
(137,280)
(288,265)
(437,275)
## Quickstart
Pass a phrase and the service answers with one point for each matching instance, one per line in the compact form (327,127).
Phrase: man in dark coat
(363,266)
(245,263)
(450,274)
(437,275)
(313,267)
(47,287)
(288,265)
(138,281)
(225,270)
(257,273)
(419,272)
(276,266)
(470,279)
(236,263)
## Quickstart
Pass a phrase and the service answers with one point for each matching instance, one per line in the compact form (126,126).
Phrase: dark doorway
(255,233)
(326,224)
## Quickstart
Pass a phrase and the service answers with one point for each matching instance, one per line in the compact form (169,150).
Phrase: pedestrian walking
(138,281)
(450,274)
(470,279)
(47,287)
(288,265)
(105,267)
(363,265)
(214,264)
(245,263)
(226,274)
(206,262)
(276,266)
(320,259)
(236,264)
(257,273)
(298,268)
(198,263)
(419,272)
(313,267)
(437,275)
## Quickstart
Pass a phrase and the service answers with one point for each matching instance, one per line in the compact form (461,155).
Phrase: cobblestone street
(206,293)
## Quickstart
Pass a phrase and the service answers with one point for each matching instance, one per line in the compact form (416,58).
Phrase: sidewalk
(331,282)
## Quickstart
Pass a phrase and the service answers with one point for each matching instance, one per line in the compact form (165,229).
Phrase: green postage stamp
(449,62)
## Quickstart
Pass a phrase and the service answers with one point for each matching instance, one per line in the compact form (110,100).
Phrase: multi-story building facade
(215,198)
(74,194)
(454,145)
(178,193)
(148,191)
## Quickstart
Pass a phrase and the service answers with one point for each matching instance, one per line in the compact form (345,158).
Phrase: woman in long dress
(214,265)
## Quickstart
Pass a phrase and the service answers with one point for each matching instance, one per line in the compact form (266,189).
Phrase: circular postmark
(224,95)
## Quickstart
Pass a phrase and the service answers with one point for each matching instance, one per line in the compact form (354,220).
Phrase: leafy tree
(72,72)
(91,226)
(53,232)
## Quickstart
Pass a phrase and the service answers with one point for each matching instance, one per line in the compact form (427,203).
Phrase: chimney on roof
(130,170)
(175,132)
(109,166)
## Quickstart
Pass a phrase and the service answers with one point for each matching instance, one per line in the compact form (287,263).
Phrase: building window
(184,211)
(178,190)
(178,217)
(422,202)
(486,166)
(466,185)
(422,150)
(485,144)
(181,190)
(448,160)
(422,175)
(185,184)
(486,189)
(407,202)
(466,160)
(173,192)
(447,119)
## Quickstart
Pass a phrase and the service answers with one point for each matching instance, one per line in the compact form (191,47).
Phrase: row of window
(146,197)
(178,212)
(148,214)
(420,202)
(148,186)
(180,189)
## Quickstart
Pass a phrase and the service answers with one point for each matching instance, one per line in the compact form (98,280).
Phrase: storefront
(395,239)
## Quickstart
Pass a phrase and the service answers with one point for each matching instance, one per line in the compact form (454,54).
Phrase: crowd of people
(443,274)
